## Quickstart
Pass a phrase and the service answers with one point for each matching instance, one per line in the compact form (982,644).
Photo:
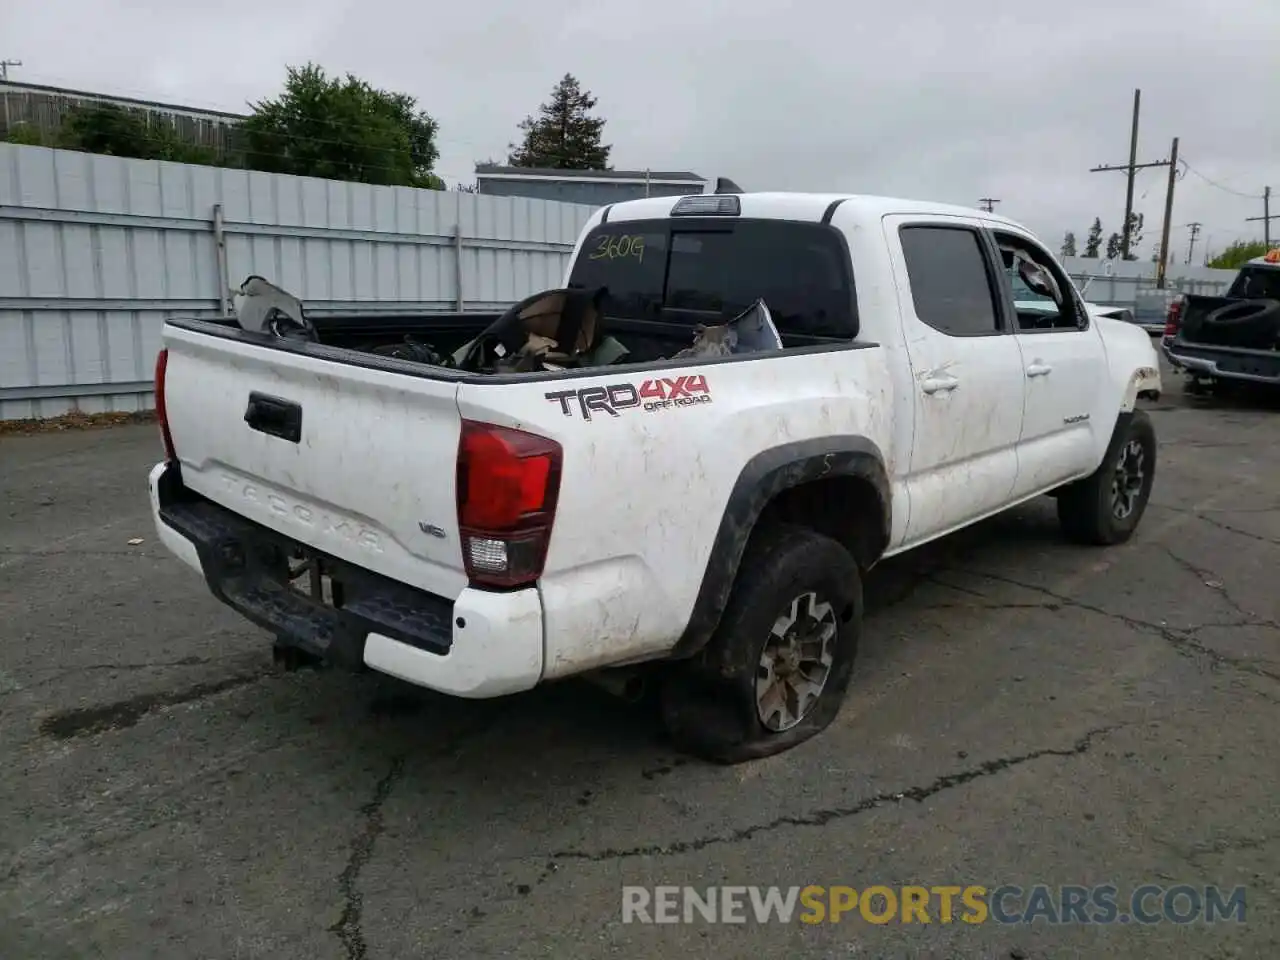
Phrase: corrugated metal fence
(1131,283)
(96,251)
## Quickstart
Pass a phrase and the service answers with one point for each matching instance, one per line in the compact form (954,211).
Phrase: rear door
(966,368)
(366,474)
(1064,372)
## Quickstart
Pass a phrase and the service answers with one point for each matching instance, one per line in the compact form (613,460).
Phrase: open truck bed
(1234,337)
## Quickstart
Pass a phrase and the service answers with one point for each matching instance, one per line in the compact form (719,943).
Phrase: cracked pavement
(1023,712)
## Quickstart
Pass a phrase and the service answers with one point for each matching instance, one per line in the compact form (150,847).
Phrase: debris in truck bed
(411,349)
(751,331)
(554,329)
(262,307)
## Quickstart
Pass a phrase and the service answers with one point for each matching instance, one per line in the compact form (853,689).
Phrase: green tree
(29,135)
(1113,246)
(564,135)
(107,129)
(118,132)
(1135,234)
(1069,244)
(1237,254)
(342,129)
(1093,241)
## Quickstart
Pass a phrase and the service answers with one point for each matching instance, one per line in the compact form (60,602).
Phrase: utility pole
(988,204)
(1191,244)
(4,68)
(1168,215)
(1266,218)
(1130,168)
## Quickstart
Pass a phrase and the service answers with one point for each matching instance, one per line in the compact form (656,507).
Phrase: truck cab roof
(811,207)
(1269,260)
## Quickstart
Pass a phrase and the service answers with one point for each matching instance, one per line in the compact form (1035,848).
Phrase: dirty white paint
(361,481)
(645,484)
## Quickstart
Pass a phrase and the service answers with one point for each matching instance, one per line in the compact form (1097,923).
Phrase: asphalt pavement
(1024,712)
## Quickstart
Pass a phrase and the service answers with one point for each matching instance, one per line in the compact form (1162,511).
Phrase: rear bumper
(1225,363)
(480,645)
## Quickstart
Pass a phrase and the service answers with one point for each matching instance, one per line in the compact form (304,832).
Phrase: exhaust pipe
(628,685)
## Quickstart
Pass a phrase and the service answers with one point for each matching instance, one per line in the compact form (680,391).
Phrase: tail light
(1173,319)
(162,365)
(508,482)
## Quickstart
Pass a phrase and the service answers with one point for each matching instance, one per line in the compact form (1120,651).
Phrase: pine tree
(1069,244)
(1113,246)
(1135,233)
(564,136)
(1093,242)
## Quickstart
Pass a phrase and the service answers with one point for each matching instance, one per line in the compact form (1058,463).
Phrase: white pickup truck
(702,520)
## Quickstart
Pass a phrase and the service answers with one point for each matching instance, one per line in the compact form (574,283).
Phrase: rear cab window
(708,270)
(1256,283)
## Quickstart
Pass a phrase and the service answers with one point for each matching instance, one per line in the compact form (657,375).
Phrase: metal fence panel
(96,251)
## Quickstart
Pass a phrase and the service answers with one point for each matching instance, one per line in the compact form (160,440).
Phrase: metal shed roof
(495,172)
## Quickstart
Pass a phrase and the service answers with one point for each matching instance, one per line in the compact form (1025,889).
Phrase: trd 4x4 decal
(661,393)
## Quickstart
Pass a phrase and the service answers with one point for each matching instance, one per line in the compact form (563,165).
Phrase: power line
(988,204)
(1131,168)
(1214,183)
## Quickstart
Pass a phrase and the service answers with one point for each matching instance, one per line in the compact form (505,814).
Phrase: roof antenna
(725,185)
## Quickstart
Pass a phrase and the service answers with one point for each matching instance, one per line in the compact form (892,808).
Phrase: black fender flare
(762,478)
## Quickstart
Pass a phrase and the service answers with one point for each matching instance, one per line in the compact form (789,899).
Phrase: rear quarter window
(710,271)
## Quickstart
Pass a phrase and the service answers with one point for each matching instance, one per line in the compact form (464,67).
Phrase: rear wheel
(776,670)
(1106,507)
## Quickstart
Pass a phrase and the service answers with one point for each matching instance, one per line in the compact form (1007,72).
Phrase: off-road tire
(1087,509)
(709,703)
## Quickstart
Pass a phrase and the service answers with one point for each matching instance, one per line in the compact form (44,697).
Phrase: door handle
(1038,368)
(939,384)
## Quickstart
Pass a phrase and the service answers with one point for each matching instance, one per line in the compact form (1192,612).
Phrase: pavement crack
(1236,530)
(349,928)
(1210,579)
(121,714)
(1183,641)
(932,577)
(819,818)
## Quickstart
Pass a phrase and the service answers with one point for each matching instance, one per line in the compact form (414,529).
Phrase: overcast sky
(940,100)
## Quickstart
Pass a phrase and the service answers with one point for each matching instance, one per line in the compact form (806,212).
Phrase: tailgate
(367,475)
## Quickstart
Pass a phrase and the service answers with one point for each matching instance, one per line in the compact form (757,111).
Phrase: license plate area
(306,574)
(295,591)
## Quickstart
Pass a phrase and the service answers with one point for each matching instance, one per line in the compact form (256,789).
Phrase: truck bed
(375,335)
(1245,350)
